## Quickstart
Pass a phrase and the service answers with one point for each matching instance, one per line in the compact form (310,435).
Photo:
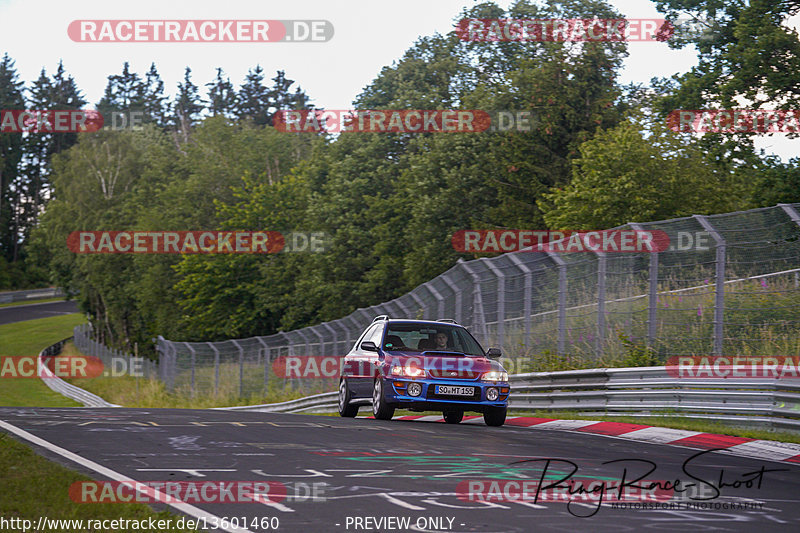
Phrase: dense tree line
(598,156)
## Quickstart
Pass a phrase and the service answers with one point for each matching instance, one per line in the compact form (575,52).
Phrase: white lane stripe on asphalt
(185,508)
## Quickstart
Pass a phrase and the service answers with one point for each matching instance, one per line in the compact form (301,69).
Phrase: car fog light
(492,394)
(415,389)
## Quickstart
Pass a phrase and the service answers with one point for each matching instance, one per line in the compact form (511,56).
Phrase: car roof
(416,321)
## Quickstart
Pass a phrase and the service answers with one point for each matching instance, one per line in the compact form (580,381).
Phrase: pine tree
(221,96)
(188,105)
(123,94)
(253,97)
(156,106)
(11,149)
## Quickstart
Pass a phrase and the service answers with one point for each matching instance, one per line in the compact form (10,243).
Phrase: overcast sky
(369,34)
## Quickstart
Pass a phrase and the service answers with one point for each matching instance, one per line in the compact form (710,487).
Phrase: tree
(11,152)
(253,97)
(156,106)
(124,93)
(188,105)
(221,96)
(635,174)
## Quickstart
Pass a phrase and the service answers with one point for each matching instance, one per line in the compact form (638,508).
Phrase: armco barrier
(642,392)
(62,387)
(31,295)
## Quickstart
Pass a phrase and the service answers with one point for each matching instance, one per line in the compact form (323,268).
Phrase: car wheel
(494,416)
(453,417)
(345,409)
(380,408)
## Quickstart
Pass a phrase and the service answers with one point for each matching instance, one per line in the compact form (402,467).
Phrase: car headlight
(495,375)
(408,371)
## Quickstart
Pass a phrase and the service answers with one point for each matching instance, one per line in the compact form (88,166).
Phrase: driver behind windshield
(441,341)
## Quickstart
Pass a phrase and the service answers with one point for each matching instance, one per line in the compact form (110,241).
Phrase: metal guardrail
(326,402)
(62,387)
(651,392)
(641,392)
(31,295)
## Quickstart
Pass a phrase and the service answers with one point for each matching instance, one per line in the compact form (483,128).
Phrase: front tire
(380,408)
(495,416)
(345,409)
(453,417)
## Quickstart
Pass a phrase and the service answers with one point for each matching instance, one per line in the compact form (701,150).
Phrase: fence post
(334,342)
(652,294)
(241,367)
(422,306)
(501,300)
(562,301)
(266,362)
(193,365)
(719,285)
(216,367)
(438,297)
(404,308)
(321,340)
(478,318)
(601,304)
(457,293)
(526,296)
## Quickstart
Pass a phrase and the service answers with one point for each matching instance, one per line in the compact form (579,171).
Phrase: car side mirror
(369,346)
(493,353)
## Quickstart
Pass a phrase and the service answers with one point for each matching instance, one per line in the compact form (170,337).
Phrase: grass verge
(34,487)
(28,338)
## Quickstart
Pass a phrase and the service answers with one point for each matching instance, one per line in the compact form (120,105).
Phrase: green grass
(34,487)
(28,339)
(28,302)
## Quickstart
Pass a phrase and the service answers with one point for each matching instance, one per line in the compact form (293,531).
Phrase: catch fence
(729,284)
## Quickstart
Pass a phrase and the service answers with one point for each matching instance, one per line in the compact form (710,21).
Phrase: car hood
(443,364)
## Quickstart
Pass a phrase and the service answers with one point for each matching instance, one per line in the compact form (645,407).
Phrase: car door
(361,364)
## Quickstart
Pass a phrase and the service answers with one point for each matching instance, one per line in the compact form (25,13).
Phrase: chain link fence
(115,362)
(728,284)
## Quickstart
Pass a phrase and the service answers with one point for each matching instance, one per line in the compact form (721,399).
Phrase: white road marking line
(185,508)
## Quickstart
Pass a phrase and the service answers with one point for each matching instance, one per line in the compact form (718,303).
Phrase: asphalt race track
(366,468)
(18,313)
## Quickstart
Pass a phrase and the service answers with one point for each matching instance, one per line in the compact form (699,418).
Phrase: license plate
(455,391)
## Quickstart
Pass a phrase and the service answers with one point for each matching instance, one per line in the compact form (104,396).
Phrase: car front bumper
(396,392)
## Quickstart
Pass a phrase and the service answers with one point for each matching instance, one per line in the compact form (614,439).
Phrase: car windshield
(415,337)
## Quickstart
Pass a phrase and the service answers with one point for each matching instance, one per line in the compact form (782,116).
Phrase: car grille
(476,396)
(453,374)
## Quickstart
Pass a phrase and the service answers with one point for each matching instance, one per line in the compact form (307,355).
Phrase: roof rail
(380,317)
(448,320)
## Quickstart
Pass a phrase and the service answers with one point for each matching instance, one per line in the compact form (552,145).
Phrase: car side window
(367,335)
(376,335)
